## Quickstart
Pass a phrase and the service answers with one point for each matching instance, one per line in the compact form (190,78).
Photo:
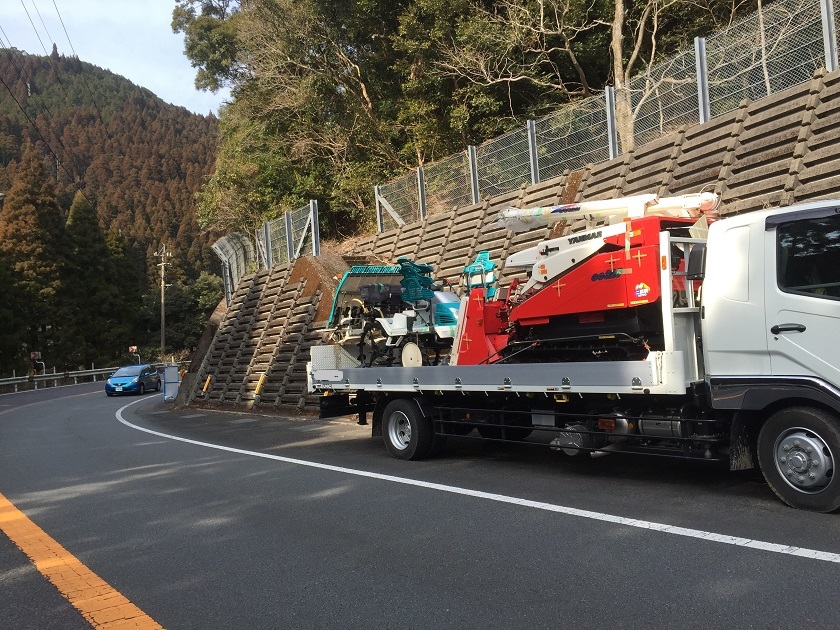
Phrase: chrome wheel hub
(399,430)
(804,460)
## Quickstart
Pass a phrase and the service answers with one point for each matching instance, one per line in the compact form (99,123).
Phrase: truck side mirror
(696,268)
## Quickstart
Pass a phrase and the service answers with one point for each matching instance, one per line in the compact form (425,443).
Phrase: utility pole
(163,255)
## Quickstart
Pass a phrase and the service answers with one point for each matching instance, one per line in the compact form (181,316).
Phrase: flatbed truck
(747,369)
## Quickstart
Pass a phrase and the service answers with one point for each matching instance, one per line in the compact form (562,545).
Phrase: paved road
(480,537)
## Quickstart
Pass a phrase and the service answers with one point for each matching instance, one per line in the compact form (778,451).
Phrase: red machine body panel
(603,282)
(623,274)
(485,330)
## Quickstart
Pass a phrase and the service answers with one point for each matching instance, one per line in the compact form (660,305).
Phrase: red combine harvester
(591,295)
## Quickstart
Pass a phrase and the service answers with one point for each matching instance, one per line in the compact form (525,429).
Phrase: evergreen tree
(12,329)
(32,244)
(93,307)
(126,279)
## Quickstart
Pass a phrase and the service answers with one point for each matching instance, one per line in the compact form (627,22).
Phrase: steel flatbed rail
(660,373)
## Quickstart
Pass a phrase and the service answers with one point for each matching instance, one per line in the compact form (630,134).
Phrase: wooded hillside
(98,174)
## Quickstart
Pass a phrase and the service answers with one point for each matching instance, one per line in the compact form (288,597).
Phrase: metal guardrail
(39,381)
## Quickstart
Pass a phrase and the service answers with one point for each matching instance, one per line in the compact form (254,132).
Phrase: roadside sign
(35,356)
(132,349)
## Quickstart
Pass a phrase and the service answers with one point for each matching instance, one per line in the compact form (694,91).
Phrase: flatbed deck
(660,373)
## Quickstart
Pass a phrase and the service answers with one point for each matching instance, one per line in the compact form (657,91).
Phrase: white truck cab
(771,294)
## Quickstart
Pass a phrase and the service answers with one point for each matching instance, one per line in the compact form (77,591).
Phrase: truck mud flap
(336,405)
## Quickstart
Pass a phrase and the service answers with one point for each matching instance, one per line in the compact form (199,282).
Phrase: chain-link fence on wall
(663,98)
(238,258)
(759,55)
(277,242)
(293,235)
(448,183)
(304,230)
(572,137)
(765,54)
(402,193)
(503,164)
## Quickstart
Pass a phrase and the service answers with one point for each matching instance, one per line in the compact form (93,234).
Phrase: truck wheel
(407,433)
(797,451)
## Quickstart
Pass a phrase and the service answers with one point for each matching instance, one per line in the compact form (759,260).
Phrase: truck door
(803,294)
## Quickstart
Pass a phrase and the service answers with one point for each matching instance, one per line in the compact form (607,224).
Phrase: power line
(21,71)
(58,160)
(47,53)
(37,34)
(46,30)
(84,79)
(46,142)
(24,75)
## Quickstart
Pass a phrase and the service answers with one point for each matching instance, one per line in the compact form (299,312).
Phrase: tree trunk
(623,104)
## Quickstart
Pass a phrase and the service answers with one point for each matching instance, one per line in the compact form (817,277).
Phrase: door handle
(783,328)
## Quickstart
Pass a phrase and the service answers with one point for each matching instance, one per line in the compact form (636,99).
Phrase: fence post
(532,152)
(258,246)
(290,236)
(612,129)
(226,281)
(702,68)
(421,191)
(379,224)
(316,234)
(829,34)
(473,160)
(269,255)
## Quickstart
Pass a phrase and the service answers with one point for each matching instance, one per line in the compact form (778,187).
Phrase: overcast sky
(129,37)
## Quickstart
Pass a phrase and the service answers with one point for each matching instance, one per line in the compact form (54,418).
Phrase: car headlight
(135,379)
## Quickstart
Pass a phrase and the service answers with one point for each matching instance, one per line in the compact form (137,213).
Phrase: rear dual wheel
(407,432)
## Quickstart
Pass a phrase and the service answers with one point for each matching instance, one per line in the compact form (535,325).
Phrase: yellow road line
(92,596)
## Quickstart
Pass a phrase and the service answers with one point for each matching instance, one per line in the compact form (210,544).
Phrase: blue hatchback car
(133,379)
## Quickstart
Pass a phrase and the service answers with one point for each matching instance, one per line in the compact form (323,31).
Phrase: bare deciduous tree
(538,42)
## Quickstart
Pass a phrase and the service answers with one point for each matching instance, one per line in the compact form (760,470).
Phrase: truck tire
(407,433)
(798,449)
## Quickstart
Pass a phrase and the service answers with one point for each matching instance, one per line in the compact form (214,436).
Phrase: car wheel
(157,385)
(142,389)
(797,452)
(108,394)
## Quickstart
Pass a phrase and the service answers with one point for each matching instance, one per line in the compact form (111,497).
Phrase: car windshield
(133,370)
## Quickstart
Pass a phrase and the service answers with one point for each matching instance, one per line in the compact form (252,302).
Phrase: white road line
(813,554)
